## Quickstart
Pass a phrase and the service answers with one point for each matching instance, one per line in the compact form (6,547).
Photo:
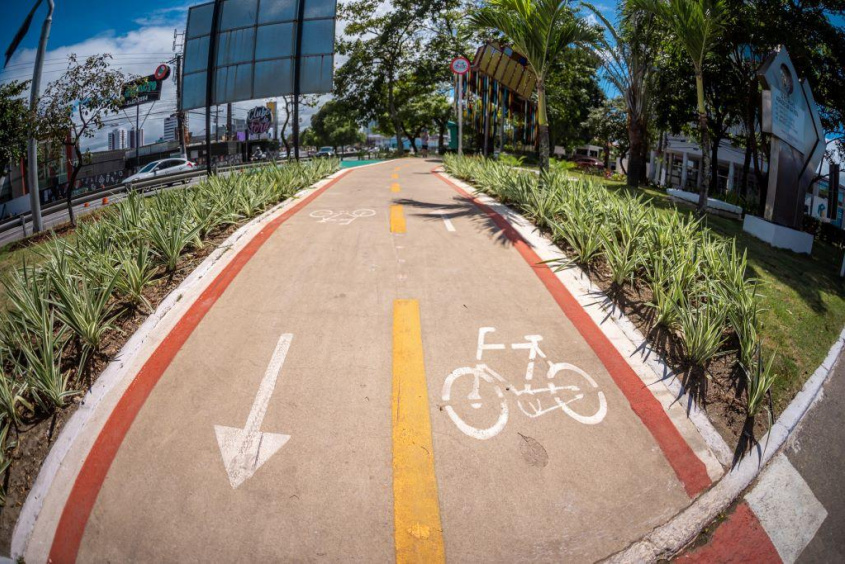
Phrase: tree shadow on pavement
(459,208)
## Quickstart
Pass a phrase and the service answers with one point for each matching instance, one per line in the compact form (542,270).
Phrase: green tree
(572,88)
(608,127)
(74,106)
(541,30)
(334,125)
(628,58)
(695,26)
(388,46)
(14,122)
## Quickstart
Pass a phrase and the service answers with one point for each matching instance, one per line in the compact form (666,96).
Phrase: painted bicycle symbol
(342,217)
(566,388)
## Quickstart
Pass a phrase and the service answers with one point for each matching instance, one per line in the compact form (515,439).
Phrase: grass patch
(802,297)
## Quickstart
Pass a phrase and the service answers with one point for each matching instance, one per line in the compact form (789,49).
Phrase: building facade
(117,139)
(171,123)
(131,141)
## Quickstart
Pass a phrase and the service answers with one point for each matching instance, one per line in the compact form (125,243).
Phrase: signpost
(797,146)
(142,91)
(241,50)
(460,66)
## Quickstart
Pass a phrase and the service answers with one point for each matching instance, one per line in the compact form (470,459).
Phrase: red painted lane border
(90,479)
(687,466)
(740,539)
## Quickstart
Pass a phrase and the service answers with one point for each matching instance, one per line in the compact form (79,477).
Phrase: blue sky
(77,20)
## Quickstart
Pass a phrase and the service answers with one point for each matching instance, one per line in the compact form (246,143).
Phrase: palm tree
(628,59)
(695,26)
(540,30)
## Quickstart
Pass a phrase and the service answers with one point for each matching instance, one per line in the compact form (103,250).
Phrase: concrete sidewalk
(388,374)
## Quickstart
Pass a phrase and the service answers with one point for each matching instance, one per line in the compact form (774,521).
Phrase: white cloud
(136,52)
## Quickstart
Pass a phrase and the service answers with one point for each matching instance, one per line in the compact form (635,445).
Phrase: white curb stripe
(787,509)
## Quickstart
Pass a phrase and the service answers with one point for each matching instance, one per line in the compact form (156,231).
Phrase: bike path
(362,310)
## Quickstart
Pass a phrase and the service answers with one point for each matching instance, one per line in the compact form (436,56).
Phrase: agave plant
(136,272)
(759,378)
(702,330)
(170,233)
(84,308)
(41,365)
(12,395)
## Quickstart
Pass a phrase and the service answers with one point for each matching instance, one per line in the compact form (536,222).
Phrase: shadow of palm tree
(459,208)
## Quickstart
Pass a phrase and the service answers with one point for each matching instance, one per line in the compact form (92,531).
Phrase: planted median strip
(66,317)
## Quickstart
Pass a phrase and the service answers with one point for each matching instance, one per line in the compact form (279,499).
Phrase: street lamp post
(32,145)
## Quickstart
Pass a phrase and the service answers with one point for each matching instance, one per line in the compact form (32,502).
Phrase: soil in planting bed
(34,438)
(719,388)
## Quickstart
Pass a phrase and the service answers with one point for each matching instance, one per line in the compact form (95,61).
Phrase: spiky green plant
(12,395)
(84,308)
(136,271)
(759,378)
(701,330)
(40,365)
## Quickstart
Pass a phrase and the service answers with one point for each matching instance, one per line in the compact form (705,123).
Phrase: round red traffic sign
(460,65)
(162,72)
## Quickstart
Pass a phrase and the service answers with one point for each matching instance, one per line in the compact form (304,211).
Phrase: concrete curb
(96,406)
(673,536)
(669,539)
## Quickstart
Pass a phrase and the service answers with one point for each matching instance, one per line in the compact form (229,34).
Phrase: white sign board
(788,120)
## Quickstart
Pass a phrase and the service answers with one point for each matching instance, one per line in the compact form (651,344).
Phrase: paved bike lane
(324,302)
(543,486)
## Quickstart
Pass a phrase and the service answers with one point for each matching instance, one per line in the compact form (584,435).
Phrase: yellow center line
(418,533)
(394,176)
(394,187)
(397,219)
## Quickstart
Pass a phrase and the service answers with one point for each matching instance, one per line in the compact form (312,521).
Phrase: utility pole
(297,63)
(180,115)
(229,122)
(217,123)
(32,144)
(210,79)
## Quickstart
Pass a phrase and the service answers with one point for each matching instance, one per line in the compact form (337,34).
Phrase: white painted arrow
(245,450)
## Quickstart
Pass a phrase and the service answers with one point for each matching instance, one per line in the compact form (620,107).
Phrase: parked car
(584,161)
(325,152)
(163,167)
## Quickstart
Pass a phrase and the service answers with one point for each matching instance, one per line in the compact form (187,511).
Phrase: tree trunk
(636,141)
(70,185)
(285,126)
(394,117)
(440,136)
(705,144)
(746,165)
(714,165)
(543,122)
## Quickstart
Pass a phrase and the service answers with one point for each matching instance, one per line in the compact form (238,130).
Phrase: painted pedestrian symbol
(341,217)
(564,387)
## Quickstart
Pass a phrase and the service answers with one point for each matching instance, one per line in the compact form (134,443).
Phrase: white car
(325,152)
(161,168)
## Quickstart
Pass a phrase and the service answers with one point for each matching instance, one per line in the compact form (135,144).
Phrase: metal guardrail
(150,186)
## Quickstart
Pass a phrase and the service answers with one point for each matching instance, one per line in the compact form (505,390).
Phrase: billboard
(507,67)
(259,120)
(145,89)
(256,48)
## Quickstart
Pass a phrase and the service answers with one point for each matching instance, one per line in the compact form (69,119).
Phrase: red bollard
(105,201)
(86,204)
